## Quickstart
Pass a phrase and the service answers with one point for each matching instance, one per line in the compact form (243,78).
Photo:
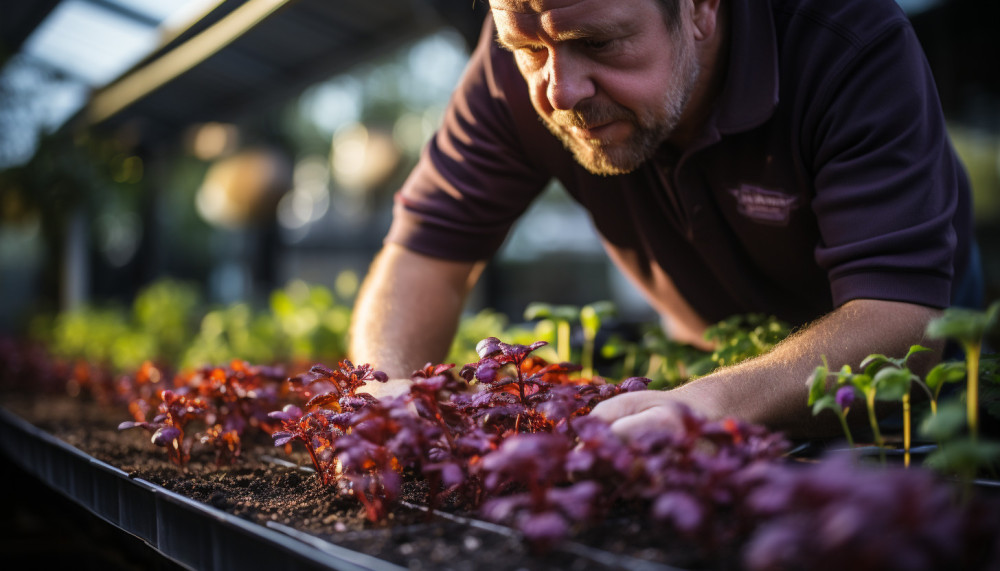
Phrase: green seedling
(882,379)
(563,316)
(743,337)
(895,380)
(591,316)
(821,397)
(967,327)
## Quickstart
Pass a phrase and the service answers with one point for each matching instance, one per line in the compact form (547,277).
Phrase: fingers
(662,417)
(627,404)
(632,413)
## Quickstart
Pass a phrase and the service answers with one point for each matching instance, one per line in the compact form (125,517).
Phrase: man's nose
(569,81)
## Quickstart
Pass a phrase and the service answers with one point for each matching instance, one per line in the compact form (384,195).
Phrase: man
(786,157)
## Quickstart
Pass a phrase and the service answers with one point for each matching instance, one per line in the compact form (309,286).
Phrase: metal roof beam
(125,12)
(158,72)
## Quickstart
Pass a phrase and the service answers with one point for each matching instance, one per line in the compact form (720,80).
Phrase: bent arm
(771,389)
(407,310)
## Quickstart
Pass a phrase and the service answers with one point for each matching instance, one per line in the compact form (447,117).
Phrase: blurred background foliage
(229,214)
(170,325)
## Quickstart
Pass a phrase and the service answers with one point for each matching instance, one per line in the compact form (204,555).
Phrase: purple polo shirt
(825,173)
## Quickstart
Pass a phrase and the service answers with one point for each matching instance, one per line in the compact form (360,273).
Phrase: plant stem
(562,340)
(847,431)
(972,351)
(587,357)
(628,366)
(520,381)
(319,468)
(870,398)
(906,430)
(655,362)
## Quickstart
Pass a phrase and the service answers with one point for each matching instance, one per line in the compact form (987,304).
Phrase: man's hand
(639,411)
(771,390)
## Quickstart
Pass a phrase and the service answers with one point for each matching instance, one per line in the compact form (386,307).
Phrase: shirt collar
(750,94)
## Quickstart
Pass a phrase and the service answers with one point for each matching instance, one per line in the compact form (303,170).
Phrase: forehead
(530,6)
(513,16)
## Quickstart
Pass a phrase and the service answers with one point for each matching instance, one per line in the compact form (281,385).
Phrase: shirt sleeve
(889,187)
(476,175)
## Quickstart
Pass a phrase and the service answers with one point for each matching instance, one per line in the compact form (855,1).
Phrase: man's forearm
(771,389)
(407,310)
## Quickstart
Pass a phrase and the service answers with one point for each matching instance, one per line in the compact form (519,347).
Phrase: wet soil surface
(266,487)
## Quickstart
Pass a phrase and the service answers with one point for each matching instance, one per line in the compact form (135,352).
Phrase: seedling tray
(189,533)
(199,536)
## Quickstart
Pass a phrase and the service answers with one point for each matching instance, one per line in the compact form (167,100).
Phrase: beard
(648,130)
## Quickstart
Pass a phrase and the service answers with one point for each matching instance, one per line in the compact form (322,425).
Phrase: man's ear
(705,18)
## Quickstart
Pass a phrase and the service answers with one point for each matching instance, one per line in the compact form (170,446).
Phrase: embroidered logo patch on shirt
(762,205)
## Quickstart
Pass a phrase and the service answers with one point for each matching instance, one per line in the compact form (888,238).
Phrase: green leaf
(965,456)
(845,374)
(591,315)
(862,382)
(569,313)
(537,310)
(946,372)
(914,349)
(892,383)
(817,384)
(874,362)
(540,310)
(615,346)
(963,325)
(604,309)
(946,424)
(826,402)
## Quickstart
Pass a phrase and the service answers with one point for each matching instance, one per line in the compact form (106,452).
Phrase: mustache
(591,115)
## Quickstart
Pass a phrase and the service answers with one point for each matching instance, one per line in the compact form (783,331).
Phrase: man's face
(608,78)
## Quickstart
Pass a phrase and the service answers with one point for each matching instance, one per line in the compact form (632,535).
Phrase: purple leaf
(515,351)
(487,370)
(467,372)
(321,370)
(580,460)
(500,509)
(488,346)
(524,455)
(577,500)
(679,508)
(635,384)
(357,401)
(845,396)
(544,528)
(165,435)
(432,384)
(289,412)
(451,474)
(536,345)
(282,437)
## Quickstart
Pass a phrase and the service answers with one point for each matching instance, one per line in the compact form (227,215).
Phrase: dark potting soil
(262,487)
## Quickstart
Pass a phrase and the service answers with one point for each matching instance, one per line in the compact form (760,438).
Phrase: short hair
(671,10)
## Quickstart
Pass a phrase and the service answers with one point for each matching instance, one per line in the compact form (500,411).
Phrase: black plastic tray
(189,533)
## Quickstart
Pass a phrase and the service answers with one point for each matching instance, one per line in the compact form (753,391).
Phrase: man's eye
(596,45)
